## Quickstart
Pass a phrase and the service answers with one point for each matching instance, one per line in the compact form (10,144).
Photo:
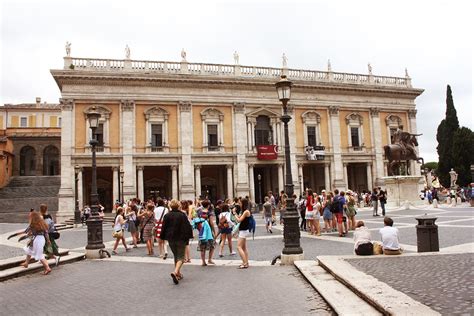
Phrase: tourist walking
(38,233)
(186,211)
(375,202)
(383,199)
(131,218)
(363,240)
(309,215)
(203,223)
(160,212)
(244,232)
(267,214)
(302,211)
(118,226)
(53,234)
(318,210)
(225,229)
(351,210)
(148,223)
(327,214)
(177,231)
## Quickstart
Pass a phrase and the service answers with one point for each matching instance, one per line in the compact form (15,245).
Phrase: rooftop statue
(236,58)
(402,149)
(183,55)
(127,52)
(284,60)
(68,49)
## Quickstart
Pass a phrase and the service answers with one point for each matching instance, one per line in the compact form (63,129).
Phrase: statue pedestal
(404,191)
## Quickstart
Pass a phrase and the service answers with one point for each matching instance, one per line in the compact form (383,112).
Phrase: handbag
(159,225)
(117,234)
(55,235)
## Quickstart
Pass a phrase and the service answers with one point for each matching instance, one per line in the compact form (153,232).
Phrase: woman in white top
(118,227)
(362,240)
(317,209)
(160,212)
(131,217)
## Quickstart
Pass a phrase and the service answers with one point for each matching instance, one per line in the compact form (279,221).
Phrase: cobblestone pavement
(117,288)
(442,282)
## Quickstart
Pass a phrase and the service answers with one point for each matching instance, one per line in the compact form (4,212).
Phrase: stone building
(35,132)
(180,129)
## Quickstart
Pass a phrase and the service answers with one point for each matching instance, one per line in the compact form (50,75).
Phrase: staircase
(24,193)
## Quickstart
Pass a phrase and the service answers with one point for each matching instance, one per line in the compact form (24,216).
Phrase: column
(370,183)
(174,182)
(327,183)
(281,185)
(140,183)
(129,182)
(301,177)
(252,183)
(80,194)
(197,178)
(377,137)
(115,183)
(229,182)
(66,203)
(243,146)
(186,169)
(338,180)
(345,176)
(415,166)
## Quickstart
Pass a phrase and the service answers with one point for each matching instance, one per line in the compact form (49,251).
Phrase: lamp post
(77,212)
(291,234)
(94,223)
(121,186)
(259,178)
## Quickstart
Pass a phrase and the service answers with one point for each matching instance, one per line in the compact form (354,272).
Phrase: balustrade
(229,70)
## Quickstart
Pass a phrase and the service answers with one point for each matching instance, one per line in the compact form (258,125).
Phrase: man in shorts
(341,203)
(267,213)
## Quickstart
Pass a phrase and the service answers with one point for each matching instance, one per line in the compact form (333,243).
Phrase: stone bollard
(427,234)
(426,201)
(448,200)
(453,202)
(458,200)
(435,203)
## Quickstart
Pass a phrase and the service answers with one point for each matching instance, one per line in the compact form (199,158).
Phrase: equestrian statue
(402,149)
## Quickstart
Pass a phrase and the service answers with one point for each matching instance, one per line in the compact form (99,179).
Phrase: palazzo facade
(181,130)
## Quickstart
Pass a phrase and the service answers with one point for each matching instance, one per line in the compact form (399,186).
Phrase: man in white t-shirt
(390,241)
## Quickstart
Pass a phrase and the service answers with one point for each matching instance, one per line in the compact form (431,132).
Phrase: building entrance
(265,180)
(313,177)
(104,186)
(213,182)
(357,177)
(157,182)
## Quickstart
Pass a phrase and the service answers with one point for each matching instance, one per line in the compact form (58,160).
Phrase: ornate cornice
(412,113)
(354,118)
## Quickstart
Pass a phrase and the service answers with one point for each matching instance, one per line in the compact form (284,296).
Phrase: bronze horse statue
(401,151)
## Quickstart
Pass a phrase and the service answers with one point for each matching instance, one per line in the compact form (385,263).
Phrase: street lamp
(77,212)
(94,223)
(121,187)
(259,178)
(291,233)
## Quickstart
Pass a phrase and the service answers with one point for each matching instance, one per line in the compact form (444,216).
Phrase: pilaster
(376,136)
(186,170)
(241,173)
(127,124)
(337,167)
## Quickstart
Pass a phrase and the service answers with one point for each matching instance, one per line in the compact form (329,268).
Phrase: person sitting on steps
(390,240)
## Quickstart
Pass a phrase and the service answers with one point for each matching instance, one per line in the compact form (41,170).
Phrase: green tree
(463,154)
(432,165)
(444,136)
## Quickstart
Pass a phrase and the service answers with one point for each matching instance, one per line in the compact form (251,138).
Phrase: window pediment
(102,109)
(311,117)
(393,120)
(156,112)
(264,112)
(210,114)
(354,119)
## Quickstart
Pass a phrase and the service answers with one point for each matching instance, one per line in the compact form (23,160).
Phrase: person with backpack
(225,229)
(327,214)
(160,211)
(244,231)
(204,224)
(337,208)
(52,233)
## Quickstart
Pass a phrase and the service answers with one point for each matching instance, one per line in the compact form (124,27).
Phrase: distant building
(31,134)
(180,129)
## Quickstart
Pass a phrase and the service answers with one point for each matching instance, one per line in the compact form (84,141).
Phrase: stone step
(22,192)
(37,266)
(336,294)
(15,261)
(21,181)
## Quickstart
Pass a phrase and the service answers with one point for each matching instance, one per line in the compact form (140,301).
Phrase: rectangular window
(99,132)
(355,136)
(311,131)
(156,135)
(392,131)
(212,136)
(263,137)
(23,122)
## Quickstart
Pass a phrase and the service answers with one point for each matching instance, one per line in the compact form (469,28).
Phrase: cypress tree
(463,154)
(444,136)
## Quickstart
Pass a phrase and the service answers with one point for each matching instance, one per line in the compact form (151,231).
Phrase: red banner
(267,152)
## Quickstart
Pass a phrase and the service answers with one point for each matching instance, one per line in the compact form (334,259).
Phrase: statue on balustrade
(183,55)
(284,60)
(236,58)
(369,66)
(68,49)
(402,149)
(127,52)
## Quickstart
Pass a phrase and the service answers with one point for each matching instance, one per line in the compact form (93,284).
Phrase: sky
(430,38)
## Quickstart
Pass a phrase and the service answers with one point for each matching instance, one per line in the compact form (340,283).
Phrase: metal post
(77,212)
(291,232)
(94,223)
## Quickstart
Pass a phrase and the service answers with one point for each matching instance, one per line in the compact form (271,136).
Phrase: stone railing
(165,67)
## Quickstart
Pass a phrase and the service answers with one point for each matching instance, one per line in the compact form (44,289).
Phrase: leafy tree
(444,136)
(432,165)
(463,154)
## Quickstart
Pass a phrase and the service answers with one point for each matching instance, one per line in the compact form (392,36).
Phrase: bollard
(453,202)
(448,200)
(435,203)
(427,234)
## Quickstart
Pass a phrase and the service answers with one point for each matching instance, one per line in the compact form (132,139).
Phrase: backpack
(334,208)
(223,223)
(252,225)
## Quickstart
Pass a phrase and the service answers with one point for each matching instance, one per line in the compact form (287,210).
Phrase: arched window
(355,132)
(212,130)
(51,161)
(157,129)
(393,122)
(27,161)
(263,131)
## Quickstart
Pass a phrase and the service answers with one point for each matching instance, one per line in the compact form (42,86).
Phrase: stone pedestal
(403,191)
(435,203)
(290,259)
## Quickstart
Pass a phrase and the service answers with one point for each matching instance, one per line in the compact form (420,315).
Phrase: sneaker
(271,231)
(220,255)
(233,253)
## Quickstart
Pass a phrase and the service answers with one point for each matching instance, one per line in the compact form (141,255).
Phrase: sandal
(210,262)
(165,256)
(24,265)
(180,276)
(46,272)
(243,266)
(175,278)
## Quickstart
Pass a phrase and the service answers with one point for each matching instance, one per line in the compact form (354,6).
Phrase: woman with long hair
(38,231)
(244,220)
(118,226)
(309,215)
(52,233)
(185,210)
(131,217)
(148,222)
(225,225)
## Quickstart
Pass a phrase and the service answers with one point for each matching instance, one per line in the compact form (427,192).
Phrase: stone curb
(37,266)
(332,290)
(15,261)
(383,297)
